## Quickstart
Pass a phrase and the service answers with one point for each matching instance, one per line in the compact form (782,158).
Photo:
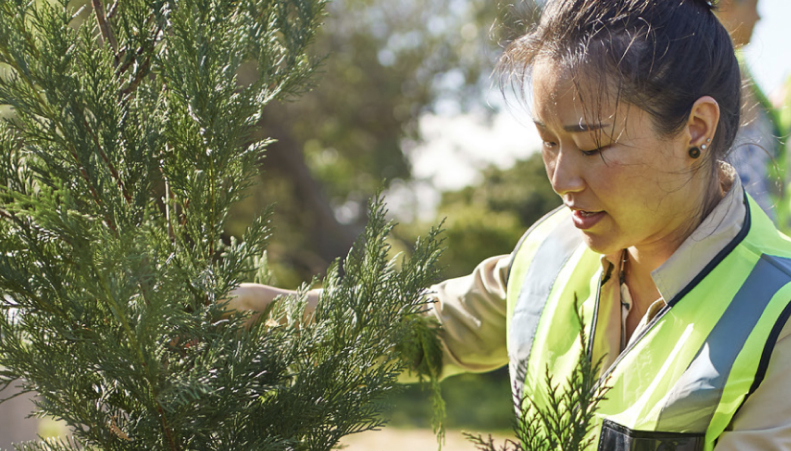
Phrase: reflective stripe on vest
(691,368)
(553,252)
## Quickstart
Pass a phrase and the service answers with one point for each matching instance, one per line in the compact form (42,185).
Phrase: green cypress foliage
(130,141)
(566,421)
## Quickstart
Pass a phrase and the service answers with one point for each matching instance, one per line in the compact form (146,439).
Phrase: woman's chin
(601,244)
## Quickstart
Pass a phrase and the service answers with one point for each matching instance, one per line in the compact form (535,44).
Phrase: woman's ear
(702,123)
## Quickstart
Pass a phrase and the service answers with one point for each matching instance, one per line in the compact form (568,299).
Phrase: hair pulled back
(658,55)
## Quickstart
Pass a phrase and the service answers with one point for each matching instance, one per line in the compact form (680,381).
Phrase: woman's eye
(550,144)
(590,153)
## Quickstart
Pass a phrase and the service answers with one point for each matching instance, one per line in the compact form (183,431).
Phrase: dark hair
(658,55)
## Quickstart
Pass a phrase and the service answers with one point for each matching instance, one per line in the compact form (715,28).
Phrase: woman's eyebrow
(576,128)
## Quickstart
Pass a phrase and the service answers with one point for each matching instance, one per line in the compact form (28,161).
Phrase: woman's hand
(256,298)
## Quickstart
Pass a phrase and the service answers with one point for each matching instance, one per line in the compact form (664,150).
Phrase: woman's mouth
(584,219)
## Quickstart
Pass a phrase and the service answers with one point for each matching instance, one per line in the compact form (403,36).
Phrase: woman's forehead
(560,97)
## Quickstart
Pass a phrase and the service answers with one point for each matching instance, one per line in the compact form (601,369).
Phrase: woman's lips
(584,220)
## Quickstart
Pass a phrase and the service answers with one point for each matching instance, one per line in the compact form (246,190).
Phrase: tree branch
(141,74)
(94,193)
(111,12)
(113,171)
(140,51)
(104,26)
(144,69)
(166,428)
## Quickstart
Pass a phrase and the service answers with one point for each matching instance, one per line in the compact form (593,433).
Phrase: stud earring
(703,147)
(694,152)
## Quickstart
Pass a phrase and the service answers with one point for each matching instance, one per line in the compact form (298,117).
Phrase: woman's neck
(644,259)
(640,262)
(638,267)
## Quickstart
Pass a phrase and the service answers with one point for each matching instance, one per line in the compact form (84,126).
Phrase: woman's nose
(564,173)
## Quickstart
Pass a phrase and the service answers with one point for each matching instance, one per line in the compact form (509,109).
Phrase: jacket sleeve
(764,421)
(472,312)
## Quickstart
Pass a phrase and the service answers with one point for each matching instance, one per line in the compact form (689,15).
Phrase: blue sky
(769,54)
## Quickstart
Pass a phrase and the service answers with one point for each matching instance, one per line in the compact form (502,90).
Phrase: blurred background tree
(488,218)
(386,64)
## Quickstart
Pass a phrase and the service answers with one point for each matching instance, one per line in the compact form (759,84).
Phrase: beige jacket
(472,310)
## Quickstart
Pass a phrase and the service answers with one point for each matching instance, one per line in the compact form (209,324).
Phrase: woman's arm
(764,421)
(255,298)
(472,313)
(470,309)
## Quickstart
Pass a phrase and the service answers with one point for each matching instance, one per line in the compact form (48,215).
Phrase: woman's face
(739,17)
(630,188)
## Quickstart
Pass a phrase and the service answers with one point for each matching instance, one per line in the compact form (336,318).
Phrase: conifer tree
(129,143)
(566,420)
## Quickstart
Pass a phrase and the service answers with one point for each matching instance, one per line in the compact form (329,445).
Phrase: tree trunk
(330,238)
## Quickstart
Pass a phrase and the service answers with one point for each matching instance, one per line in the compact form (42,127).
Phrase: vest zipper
(621,282)
(604,277)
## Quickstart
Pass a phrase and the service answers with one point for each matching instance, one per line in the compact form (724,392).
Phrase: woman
(684,279)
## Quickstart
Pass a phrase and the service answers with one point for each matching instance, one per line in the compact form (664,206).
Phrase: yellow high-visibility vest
(683,378)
